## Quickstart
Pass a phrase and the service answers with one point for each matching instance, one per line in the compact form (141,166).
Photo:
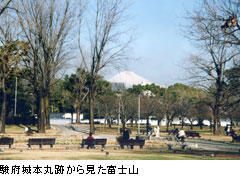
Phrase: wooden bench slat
(131,143)
(93,142)
(192,134)
(41,141)
(6,141)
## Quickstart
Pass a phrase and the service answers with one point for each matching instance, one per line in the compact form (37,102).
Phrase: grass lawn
(61,153)
(67,148)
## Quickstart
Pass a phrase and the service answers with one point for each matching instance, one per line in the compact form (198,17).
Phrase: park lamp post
(119,110)
(139,112)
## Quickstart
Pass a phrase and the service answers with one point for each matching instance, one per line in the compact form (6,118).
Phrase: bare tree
(148,104)
(217,47)
(11,51)
(4,4)
(46,27)
(128,107)
(106,44)
(172,103)
(76,85)
(107,104)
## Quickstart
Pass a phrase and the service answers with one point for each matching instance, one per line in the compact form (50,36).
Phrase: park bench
(41,141)
(235,138)
(6,141)
(131,143)
(192,134)
(94,142)
(143,131)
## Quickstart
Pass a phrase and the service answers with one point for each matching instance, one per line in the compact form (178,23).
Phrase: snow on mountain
(129,79)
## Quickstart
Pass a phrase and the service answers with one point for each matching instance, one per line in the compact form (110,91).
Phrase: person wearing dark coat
(125,137)
(125,134)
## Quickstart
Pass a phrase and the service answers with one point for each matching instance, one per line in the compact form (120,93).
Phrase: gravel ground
(81,131)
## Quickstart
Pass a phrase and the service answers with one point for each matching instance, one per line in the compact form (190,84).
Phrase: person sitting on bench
(181,135)
(90,137)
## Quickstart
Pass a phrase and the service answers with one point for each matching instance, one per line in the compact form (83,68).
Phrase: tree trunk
(200,123)
(167,121)
(78,109)
(47,104)
(72,117)
(4,104)
(132,123)
(41,127)
(147,122)
(38,106)
(183,123)
(123,122)
(109,120)
(231,122)
(78,112)
(91,109)
(211,125)
(217,126)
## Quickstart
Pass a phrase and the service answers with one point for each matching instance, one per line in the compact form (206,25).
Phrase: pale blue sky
(159,43)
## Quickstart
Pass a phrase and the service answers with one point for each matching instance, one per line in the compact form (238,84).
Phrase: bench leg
(141,146)
(10,146)
(51,145)
(40,146)
(29,146)
(90,146)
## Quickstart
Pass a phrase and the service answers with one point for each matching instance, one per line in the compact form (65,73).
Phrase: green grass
(96,154)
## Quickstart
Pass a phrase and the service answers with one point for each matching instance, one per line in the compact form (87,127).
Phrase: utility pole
(119,117)
(139,111)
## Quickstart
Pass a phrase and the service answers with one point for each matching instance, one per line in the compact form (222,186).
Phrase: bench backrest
(94,141)
(6,141)
(192,133)
(137,142)
(100,141)
(132,142)
(88,141)
(43,141)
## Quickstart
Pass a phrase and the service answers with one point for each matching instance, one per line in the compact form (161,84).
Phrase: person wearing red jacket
(90,136)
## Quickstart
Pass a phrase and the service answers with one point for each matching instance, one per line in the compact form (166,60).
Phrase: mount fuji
(129,79)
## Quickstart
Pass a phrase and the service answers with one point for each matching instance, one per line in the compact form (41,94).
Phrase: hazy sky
(159,43)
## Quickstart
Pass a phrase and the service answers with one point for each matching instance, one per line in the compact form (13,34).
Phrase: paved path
(202,144)
(213,145)
(81,130)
